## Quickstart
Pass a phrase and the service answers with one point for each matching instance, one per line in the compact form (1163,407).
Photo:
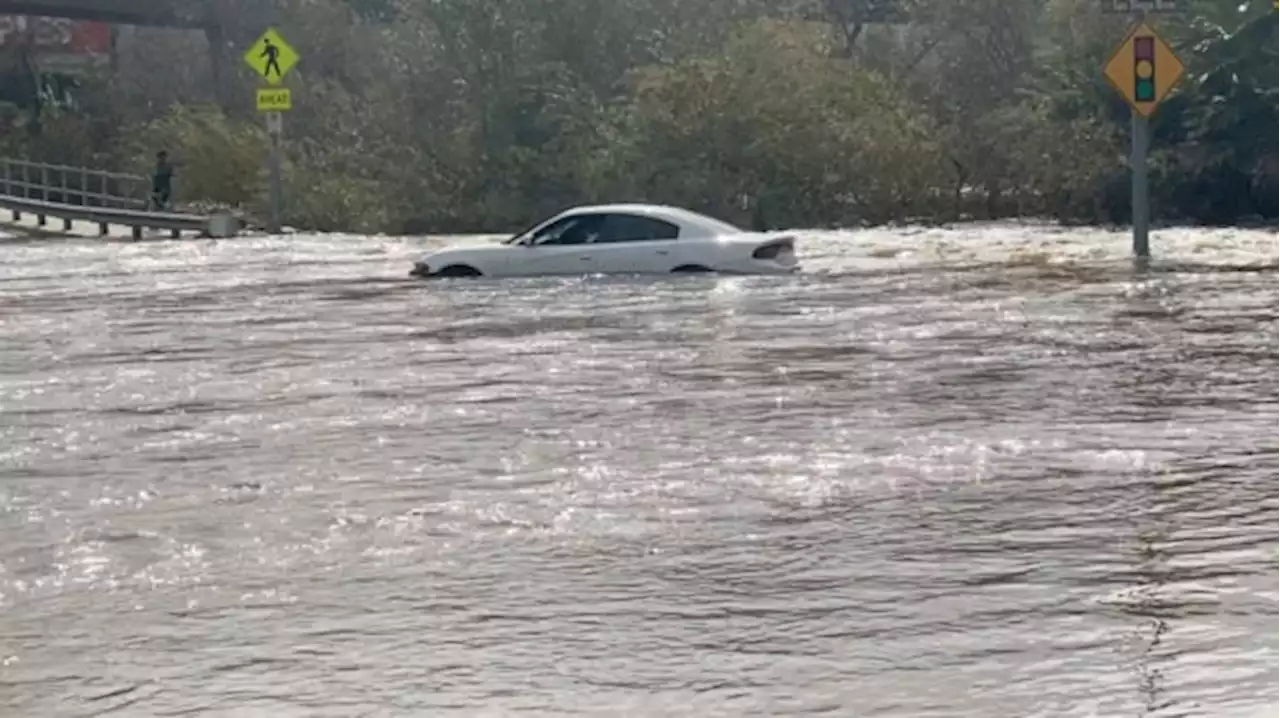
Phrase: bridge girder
(150,13)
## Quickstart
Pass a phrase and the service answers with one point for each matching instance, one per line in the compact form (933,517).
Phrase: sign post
(272,58)
(1143,69)
(275,127)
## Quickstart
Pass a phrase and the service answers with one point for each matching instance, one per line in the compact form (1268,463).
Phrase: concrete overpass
(193,14)
(198,15)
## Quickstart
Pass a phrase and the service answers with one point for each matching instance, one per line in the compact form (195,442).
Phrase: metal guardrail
(136,220)
(67,193)
(71,185)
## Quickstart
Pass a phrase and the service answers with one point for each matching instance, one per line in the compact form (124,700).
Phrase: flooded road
(978,472)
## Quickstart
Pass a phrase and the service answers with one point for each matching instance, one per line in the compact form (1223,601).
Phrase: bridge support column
(217,62)
(215,11)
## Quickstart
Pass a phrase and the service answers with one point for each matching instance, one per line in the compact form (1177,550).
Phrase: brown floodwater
(979,472)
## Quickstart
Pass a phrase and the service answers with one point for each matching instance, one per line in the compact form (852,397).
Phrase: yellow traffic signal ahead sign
(271,57)
(1143,69)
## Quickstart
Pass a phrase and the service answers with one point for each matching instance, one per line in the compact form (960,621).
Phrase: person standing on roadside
(161,182)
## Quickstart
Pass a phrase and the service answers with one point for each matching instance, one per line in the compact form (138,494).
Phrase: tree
(450,115)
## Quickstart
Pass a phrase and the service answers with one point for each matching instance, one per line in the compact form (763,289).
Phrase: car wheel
(691,269)
(458,270)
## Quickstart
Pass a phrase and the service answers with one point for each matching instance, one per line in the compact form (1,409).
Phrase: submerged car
(619,239)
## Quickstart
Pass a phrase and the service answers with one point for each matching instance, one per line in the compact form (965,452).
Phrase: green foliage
(456,115)
(772,115)
(216,158)
(57,137)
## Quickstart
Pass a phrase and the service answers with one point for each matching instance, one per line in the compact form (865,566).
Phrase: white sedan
(619,239)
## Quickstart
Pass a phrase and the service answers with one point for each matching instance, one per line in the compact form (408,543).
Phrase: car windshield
(513,238)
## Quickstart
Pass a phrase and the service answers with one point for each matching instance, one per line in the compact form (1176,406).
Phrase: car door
(636,244)
(562,247)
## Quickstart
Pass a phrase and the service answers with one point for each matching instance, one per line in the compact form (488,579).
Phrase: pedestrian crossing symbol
(271,57)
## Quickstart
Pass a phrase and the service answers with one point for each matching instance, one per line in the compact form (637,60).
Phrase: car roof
(684,218)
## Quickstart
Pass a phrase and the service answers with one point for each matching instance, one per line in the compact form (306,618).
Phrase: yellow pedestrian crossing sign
(271,57)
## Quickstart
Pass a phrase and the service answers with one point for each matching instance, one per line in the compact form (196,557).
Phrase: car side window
(634,228)
(578,229)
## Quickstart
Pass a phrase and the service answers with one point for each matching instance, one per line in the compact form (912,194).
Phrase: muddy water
(978,472)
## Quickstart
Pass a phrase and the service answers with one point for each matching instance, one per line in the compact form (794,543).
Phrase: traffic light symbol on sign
(1144,69)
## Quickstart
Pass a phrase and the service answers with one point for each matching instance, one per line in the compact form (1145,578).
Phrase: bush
(216,158)
(773,117)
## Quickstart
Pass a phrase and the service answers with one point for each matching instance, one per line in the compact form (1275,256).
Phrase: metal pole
(1141,199)
(274,127)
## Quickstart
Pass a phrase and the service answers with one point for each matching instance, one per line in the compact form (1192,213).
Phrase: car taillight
(785,245)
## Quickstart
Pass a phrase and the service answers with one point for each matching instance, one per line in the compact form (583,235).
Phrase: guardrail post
(62,182)
(137,232)
(84,186)
(44,183)
(102,229)
(8,185)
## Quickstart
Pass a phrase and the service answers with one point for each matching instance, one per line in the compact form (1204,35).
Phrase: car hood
(493,247)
